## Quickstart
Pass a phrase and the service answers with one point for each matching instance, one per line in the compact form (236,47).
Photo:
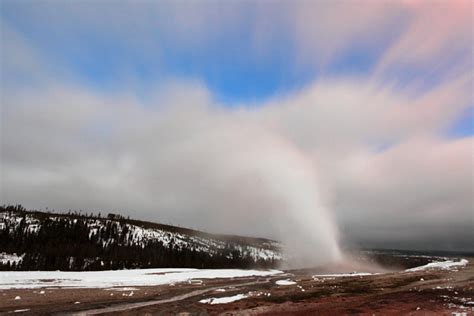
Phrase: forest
(74,241)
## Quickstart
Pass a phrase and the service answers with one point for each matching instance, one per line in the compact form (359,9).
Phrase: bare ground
(420,293)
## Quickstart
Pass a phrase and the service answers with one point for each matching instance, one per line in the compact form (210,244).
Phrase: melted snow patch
(285,282)
(121,289)
(443,265)
(223,300)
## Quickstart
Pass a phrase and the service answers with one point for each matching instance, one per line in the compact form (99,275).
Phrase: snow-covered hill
(107,234)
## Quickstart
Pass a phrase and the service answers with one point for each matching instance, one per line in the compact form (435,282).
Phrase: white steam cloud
(266,171)
(191,163)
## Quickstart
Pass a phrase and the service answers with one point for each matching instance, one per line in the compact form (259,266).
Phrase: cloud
(322,32)
(406,43)
(437,35)
(186,162)
(286,170)
(344,159)
(418,192)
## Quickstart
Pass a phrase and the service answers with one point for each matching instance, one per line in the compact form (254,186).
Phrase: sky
(320,123)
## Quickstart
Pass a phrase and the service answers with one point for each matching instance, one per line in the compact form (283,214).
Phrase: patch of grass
(356,287)
(395,283)
(299,296)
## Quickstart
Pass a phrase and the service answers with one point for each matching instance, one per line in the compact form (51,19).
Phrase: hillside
(33,240)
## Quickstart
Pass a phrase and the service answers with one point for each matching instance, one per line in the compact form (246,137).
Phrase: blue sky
(76,41)
(464,125)
(226,64)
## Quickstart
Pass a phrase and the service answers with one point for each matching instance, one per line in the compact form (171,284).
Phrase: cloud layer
(346,159)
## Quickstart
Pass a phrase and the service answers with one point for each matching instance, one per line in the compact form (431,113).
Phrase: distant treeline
(69,242)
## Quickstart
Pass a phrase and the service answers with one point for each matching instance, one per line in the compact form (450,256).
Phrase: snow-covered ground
(444,265)
(285,282)
(223,300)
(107,279)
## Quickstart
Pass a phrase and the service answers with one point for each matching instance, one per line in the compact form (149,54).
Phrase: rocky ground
(431,292)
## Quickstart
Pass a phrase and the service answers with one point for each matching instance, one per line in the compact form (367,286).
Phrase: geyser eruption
(233,176)
(289,187)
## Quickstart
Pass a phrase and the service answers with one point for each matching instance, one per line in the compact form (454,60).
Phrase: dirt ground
(416,293)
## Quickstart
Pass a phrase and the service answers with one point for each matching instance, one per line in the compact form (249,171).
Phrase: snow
(117,278)
(285,282)
(122,289)
(223,300)
(443,265)
(12,258)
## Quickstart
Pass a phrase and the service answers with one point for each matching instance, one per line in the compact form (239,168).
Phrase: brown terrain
(434,292)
